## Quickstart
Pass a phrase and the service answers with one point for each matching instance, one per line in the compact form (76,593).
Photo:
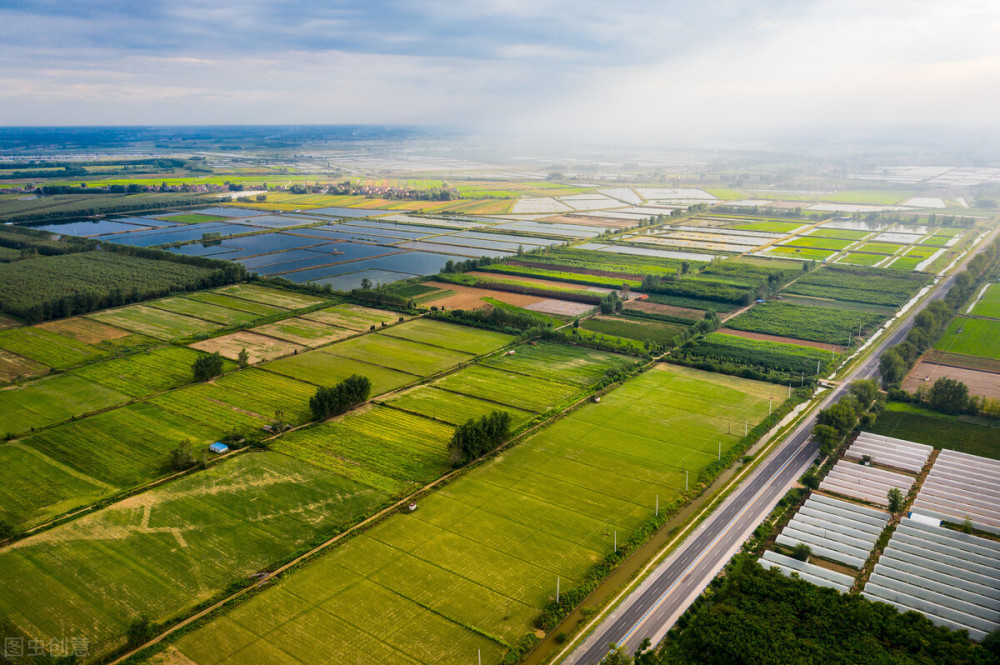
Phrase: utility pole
(557,590)
(789,389)
(817,367)
(616,541)
(685,480)
(770,404)
(657,505)
(720,450)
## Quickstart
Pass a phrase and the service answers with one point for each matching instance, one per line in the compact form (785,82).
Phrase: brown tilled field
(980,383)
(84,330)
(259,347)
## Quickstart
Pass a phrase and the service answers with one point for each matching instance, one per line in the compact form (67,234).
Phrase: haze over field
(672,70)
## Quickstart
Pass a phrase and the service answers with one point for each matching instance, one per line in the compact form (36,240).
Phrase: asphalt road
(655,605)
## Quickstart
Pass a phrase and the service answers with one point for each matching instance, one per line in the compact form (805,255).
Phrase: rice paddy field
(816,324)
(163,551)
(204,310)
(634,328)
(469,570)
(353,317)
(72,343)
(800,253)
(971,337)
(303,331)
(268,296)
(143,374)
(153,322)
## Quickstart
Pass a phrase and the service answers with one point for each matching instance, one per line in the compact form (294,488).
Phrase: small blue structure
(219,447)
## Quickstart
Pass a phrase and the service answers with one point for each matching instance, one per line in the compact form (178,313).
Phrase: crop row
(858,284)
(766,354)
(816,324)
(562,276)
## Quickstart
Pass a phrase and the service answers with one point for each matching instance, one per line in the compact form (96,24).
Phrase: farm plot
(37,488)
(977,436)
(13,366)
(817,324)
(471,568)
(495,385)
(814,242)
(258,347)
(449,336)
(143,374)
(453,408)
(353,317)
(836,530)
(947,576)
(864,482)
(857,259)
(856,284)
(121,447)
(889,451)
(962,487)
(270,296)
(971,337)
(985,383)
(839,234)
(880,248)
(203,310)
(804,253)
(634,328)
(769,227)
(326,369)
(162,552)
(230,302)
(303,331)
(767,354)
(153,322)
(988,304)
(248,398)
(401,355)
(559,362)
(53,399)
(59,351)
(381,447)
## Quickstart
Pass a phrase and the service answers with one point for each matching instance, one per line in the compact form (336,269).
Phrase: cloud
(648,69)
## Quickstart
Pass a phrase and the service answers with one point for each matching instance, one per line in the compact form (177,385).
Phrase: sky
(536,67)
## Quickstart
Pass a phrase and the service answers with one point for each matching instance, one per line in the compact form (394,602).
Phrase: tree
(182,457)
(475,438)
(616,656)
(895,497)
(842,416)
(333,401)
(826,437)
(366,284)
(139,630)
(244,358)
(865,390)
(207,366)
(801,552)
(948,396)
(892,367)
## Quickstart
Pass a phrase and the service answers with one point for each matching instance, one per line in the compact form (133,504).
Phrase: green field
(153,322)
(453,408)
(989,304)
(143,374)
(880,248)
(634,328)
(204,310)
(248,398)
(874,286)
(52,399)
(325,369)
(13,366)
(779,356)
(121,447)
(230,302)
(800,253)
(560,362)
(815,242)
(972,337)
(353,317)
(936,241)
(270,296)
(905,263)
(450,336)
(398,354)
(385,448)
(861,259)
(517,390)
(975,436)
(816,324)
(49,346)
(162,552)
(471,568)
